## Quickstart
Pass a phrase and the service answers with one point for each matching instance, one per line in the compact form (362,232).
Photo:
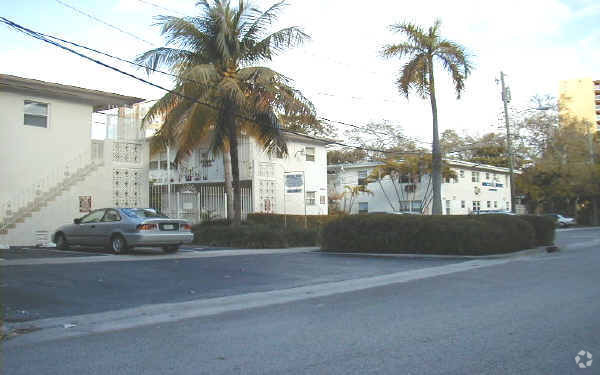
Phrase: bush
(253,236)
(545,228)
(452,235)
(293,221)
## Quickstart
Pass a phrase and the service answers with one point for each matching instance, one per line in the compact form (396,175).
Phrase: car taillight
(146,227)
(185,227)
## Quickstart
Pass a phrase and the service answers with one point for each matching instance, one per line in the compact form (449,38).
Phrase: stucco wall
(29,153)
(577,100)
(463,189)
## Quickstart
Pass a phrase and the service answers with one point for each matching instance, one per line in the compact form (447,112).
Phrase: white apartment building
(52,170)
(477,187)
(194,189)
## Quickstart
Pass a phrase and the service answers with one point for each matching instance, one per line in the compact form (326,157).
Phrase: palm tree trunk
(235,181)
(436,154)
(228,184)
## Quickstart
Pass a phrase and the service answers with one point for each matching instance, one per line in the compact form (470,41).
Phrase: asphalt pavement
(530,315)
(32,292)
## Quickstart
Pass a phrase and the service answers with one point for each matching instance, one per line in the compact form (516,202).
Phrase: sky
(536,43)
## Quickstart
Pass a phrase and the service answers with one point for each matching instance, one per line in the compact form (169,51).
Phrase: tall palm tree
(423,48)
(214,57)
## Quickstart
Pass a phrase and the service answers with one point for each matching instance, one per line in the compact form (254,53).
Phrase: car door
(109,223)
(88,225)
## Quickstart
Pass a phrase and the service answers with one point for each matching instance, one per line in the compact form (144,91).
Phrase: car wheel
(563,225)
(118,244)
(61,242)
(171,249)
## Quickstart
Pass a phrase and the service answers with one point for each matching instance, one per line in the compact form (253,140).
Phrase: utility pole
(511,166)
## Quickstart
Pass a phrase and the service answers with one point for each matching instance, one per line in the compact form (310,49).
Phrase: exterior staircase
(32,200)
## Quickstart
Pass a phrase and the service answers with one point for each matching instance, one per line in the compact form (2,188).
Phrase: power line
(41,37)
(160,7)
(103,22)
(194,81)
(195,100)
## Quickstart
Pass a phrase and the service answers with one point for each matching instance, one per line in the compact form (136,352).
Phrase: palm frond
(415,75)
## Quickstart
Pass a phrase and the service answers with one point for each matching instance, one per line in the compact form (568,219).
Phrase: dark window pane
(34,120)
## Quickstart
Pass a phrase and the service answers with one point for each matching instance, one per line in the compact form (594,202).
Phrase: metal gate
(195,202)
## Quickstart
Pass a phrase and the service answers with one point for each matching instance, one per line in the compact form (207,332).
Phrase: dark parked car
(121,229)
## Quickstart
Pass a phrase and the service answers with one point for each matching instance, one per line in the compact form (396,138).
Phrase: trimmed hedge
(545,229)
(253,236)
(293,221)
(452,235)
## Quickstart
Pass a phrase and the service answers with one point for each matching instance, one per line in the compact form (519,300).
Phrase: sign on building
(85,203)
(294,182)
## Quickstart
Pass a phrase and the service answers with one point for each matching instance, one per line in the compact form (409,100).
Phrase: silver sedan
(121,229)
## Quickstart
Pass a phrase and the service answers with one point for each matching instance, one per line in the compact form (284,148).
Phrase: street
(525,315)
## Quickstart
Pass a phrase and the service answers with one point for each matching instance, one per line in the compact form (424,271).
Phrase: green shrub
(293,221)
(453,235)
(253,236)
(545,228)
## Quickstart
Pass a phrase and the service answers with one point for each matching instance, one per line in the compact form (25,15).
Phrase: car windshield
(143,213)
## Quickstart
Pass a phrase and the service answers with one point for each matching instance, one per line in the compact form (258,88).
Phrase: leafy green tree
(423,48)
(348,155)
(215,57)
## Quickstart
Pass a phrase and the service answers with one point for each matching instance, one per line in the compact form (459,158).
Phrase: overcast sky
(535,42)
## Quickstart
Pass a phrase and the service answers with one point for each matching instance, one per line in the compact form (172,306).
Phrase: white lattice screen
(127,187)
(127,152)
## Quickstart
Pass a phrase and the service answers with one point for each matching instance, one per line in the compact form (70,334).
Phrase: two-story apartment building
(52,170)
(194,189)
(477,187)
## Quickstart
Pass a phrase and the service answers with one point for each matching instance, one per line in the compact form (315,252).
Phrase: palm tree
(422,48)
(213,56)
(354,192)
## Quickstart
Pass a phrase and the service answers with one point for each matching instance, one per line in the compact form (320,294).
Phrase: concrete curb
(527,252)
(141,258)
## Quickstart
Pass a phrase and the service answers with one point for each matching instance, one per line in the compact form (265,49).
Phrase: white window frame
(363,210)
(47,116)
(310,155)
(311,198)
(475,176)
(463,204)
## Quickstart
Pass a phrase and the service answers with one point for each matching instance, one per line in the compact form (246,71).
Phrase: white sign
(294,182)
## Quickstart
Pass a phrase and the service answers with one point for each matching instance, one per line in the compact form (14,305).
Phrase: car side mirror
(76,221)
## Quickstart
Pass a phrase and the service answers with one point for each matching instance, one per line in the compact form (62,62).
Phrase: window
(487,175)
(447,207)
(322,201)
(495,204)
(93,217)
(462,204)
(475,176)
(154,164)
(35,114)
(496,178)
(310,153)
(111,215)
(489,204)
(462,173)
(507,206)
(311,198)
(363,207)
(447,180)
(362,177)
(410,206)
(476,206)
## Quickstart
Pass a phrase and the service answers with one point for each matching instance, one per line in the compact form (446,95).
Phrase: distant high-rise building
(580,99)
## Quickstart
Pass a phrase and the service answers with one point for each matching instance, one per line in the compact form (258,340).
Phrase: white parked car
(563,221)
